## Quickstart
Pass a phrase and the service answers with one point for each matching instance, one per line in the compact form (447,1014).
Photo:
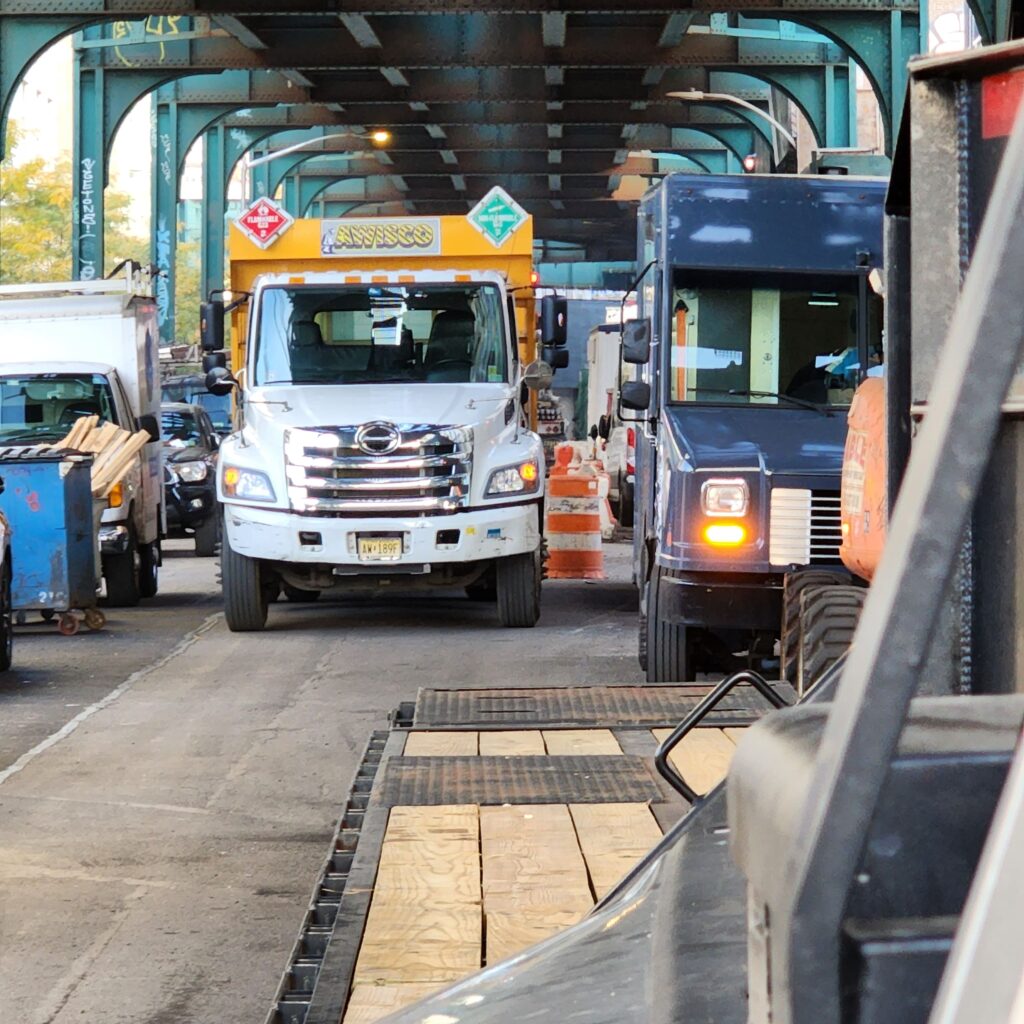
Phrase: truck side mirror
(538,375)
(635,394)
(636,341)
(556,358)
(148,423)
(554,320)
(214,361)
(211,325)
(220,382)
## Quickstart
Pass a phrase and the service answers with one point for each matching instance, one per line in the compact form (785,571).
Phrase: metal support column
(164,222)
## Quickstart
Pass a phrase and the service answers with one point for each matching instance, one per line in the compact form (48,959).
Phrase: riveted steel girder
(22,40)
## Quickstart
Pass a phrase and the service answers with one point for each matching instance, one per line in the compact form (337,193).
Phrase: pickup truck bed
(483,821)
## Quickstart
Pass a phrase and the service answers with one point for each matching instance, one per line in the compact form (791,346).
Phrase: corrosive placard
(381,236)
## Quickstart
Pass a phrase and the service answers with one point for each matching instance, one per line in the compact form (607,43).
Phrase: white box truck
(80,348)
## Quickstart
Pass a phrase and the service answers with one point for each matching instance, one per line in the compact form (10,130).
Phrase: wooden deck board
(435,744)
(702,758)
(613,838)
(734,733)
(369,1003)
(561,742)
(513,742)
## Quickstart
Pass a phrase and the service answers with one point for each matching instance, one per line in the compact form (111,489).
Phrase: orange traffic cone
(573,522)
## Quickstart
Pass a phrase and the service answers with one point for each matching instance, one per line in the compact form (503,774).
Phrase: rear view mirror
(211,325)
(556,358)
(635,394)
(220,382)
(538,375)
(636,342)
(554,320)
(149,424)
(214,361)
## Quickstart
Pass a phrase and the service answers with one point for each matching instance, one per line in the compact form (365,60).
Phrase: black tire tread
(517,579)
(245,595)
(207,536)
(829,619)
(793,586)
(668,647)
(123,590)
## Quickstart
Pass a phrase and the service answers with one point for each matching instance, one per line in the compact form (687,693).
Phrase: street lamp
(379,137)
(724,97)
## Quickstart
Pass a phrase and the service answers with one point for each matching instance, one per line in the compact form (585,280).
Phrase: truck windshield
(429,334)
(44,407)
(769,342)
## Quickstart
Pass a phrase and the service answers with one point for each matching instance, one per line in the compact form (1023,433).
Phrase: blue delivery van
(757,319)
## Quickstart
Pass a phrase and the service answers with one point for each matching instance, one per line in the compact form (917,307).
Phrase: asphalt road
(168,789)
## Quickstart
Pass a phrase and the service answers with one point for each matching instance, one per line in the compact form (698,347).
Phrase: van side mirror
(211,325)
(149,424)
(214,361)
(556,358)
(554,320)
(220,382)
(636,341)
(635,394)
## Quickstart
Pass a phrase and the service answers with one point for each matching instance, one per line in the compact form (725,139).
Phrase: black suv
(190,475)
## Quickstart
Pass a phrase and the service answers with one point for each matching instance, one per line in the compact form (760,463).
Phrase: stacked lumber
(114,449)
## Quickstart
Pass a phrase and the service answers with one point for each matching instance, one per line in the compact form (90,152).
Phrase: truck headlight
(247,484)
(725,497)
(191,472)
(523,478)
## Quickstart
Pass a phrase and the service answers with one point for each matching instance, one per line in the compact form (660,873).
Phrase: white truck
(80,348)
(383,410)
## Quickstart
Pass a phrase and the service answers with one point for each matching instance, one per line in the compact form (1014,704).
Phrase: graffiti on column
(165,157)
(163,266)
(87,268)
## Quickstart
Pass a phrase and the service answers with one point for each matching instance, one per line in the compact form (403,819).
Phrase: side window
(119,402)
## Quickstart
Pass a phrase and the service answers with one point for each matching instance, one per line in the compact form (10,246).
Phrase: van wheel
(793,586)
(668,644)
(206,535)
(625,502)
(518,586)
(245,591)
(122,573)
(6,617)
(149,569)
(828,620)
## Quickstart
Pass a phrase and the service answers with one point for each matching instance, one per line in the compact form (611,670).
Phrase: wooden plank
(613,838)
(735,734)
(520,741)
(441,744)
(534,877)
(564,742)
(702,758)
(418,944)
(368,1003)
(425,922)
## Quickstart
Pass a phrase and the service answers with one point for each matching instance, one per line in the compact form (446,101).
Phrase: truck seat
(451,335)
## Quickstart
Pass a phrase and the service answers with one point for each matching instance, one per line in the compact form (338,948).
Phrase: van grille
(427,471)
(804,528)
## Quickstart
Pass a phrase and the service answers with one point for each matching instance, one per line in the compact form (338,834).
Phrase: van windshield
(44,407)
(769,342)
(415,334)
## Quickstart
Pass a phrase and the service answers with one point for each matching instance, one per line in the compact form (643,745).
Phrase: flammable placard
(381,236)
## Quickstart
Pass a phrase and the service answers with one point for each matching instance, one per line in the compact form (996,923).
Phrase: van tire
(668,643)
(149,569)
(245,591)
(6,616)
(793,586)
(517,579)
(206,536)
(828,620)
(123,573)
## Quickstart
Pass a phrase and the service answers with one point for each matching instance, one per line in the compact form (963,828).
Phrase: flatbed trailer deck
(483,821)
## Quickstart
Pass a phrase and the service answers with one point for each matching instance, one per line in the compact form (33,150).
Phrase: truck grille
(804,528)
(379,469)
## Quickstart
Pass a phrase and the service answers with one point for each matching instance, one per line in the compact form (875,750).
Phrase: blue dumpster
(48,500)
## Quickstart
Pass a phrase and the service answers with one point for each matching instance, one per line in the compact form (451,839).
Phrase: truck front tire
(245,591)
(518,585)
(206,536)
(149,569)
(668,643)
(123,572)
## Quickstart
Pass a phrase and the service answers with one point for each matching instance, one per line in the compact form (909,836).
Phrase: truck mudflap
(564,778)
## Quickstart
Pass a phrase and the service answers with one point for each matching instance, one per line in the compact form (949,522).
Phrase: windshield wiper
(746,392)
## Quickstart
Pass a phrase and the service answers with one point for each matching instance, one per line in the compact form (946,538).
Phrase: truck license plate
(379,549)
